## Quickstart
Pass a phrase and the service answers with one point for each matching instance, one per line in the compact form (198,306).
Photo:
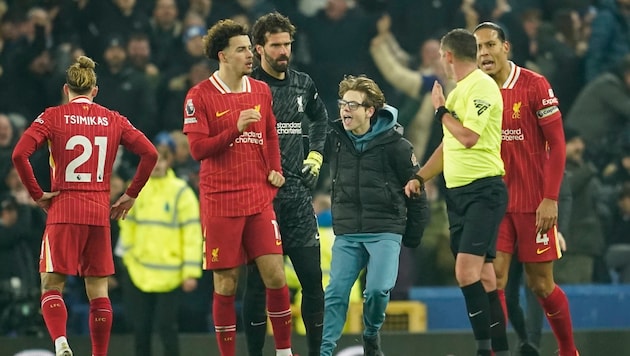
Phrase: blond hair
(373,94)
(80,76)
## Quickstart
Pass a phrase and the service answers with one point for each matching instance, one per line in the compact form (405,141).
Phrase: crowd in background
(150,52)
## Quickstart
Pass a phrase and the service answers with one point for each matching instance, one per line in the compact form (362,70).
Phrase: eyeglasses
(352,105)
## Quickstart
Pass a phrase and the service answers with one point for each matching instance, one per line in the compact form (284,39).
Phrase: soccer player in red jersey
(533,151)
(232,130)
(82,138)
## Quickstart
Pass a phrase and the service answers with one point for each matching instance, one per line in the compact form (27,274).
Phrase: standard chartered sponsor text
(289,128)
(250,137)
(512,135)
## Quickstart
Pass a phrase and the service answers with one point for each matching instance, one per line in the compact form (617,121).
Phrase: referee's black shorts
(475,211)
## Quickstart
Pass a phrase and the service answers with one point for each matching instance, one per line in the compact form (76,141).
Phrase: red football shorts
(517,234)
(230,242)
(74,249)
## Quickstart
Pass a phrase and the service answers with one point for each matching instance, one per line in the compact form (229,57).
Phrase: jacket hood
(386,118)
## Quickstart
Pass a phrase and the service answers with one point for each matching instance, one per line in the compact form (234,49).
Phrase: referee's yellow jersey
(477,103)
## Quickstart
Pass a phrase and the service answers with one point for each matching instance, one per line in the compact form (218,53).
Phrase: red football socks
(556,307)
(101,318)
(55,313)
(279,310)
(224,313)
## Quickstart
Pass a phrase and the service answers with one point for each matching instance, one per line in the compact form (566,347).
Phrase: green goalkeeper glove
(310,170)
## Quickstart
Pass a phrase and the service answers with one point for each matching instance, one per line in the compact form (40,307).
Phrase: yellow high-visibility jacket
(160,240)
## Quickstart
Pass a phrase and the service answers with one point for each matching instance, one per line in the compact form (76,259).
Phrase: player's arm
(554,166)
(550,120)
(136,142)
(142,147)
(196,121)
(202,146)
(24,148)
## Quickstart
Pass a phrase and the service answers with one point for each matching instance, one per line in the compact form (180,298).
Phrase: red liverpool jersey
(83,138)
(528,104)
(233,175)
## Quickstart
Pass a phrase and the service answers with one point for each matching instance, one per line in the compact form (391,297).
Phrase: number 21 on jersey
(88,150)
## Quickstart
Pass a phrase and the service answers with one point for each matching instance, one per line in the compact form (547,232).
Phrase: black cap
(570,133)
(115,41)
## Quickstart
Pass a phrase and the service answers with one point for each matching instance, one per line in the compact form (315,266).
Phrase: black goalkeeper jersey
(296,103)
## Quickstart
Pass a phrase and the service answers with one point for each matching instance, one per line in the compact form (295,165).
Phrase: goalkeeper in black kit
(295,102)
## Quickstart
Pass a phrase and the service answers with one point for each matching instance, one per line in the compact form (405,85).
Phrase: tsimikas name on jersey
(289,128)
(512,135)
(86,120)
(250,137)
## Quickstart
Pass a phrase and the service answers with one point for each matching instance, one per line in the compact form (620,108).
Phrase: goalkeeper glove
(310,170)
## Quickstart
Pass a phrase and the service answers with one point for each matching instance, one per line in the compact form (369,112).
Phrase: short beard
(279,68)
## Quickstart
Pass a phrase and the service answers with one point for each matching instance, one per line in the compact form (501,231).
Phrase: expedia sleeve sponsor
(512,135)
(546,112)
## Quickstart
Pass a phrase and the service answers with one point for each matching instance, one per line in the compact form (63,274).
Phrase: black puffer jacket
(368,187)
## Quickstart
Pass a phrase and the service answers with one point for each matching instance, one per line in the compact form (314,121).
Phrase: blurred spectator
(329,60)
(139,57)
(416,21)
(610,37)
(19,282)
(618,253)
(171,95)
(126,90)
(160,244)
(184,165)
(100,20)
(212,10)
(192,41)
(416,111)
(165,32)
(617,173)
(584,238)
(525,39)
(561,55)
(601,112)
(27,66)
(7,143)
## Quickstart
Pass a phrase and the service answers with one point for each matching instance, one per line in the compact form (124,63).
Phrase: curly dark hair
(218,36)
(273,22)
